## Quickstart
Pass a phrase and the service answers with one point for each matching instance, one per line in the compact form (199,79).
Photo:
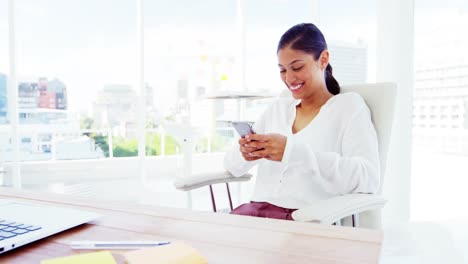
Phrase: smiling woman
(316,145)
(306,72)
(305,51)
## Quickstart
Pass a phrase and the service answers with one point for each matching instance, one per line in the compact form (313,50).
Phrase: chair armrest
(204,179)
(331,210)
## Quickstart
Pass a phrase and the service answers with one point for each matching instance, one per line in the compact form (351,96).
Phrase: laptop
(22,223)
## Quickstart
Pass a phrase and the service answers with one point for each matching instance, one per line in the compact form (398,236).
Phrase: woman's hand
(247,151)
(268,146)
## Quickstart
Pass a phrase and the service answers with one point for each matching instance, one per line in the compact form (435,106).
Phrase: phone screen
(243,128)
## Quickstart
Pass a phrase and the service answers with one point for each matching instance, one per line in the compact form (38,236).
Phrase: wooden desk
(221,238)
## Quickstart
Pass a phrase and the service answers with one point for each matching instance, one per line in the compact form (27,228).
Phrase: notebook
(22,223)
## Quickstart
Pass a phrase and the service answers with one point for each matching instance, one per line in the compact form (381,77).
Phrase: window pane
(76,69)
(440,110)
(351,33)
(5,130)
(4,60)
(189,54)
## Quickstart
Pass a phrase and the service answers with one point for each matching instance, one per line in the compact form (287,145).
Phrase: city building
(349,62)
(42,94)
(47,129)
(440,95)
(440,108)
(53,94)
(28,96)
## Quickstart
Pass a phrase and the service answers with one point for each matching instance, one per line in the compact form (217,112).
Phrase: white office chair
(354,209)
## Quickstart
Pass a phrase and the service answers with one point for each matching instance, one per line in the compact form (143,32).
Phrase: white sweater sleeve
(355,170)
(233,160)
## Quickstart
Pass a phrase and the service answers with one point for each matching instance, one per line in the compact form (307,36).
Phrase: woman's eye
(298,68)
(282,71)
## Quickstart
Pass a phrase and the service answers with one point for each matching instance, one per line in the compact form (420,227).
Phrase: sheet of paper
(101,257)
(174,253)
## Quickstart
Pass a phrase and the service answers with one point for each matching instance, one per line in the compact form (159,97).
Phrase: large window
(440,110)
(76,73)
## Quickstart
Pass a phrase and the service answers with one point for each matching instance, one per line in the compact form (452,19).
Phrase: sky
(88,44)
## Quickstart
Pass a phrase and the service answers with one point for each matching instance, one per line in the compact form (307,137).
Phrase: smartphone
(243,128)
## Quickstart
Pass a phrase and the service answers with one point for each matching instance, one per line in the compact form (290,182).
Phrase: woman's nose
(290,77)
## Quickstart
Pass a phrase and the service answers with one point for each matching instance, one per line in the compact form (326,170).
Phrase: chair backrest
(381,100)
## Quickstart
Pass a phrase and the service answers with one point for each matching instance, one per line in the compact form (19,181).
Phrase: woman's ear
(324,59)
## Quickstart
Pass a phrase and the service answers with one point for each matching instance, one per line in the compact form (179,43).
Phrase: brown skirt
(264,209)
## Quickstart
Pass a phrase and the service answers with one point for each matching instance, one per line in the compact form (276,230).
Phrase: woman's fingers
(257,146)
(269,146)
(257,137)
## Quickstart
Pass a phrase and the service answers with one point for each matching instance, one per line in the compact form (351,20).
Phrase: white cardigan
(336,153)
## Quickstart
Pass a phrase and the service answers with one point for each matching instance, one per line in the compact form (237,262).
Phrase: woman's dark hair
(307,37)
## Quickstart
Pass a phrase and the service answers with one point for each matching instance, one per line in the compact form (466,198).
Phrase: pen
(115,244)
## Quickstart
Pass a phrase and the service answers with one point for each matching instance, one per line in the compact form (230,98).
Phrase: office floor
(417,242)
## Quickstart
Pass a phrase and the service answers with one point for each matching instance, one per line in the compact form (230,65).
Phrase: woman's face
(303,75)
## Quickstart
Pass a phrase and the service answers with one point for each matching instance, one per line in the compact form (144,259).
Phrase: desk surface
(221,238)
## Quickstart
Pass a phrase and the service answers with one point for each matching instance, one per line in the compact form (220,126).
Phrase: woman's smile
(295,88)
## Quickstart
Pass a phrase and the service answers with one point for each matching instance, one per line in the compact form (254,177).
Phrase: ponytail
(332,84)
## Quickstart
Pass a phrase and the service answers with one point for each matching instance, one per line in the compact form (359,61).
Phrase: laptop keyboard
(9,229)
